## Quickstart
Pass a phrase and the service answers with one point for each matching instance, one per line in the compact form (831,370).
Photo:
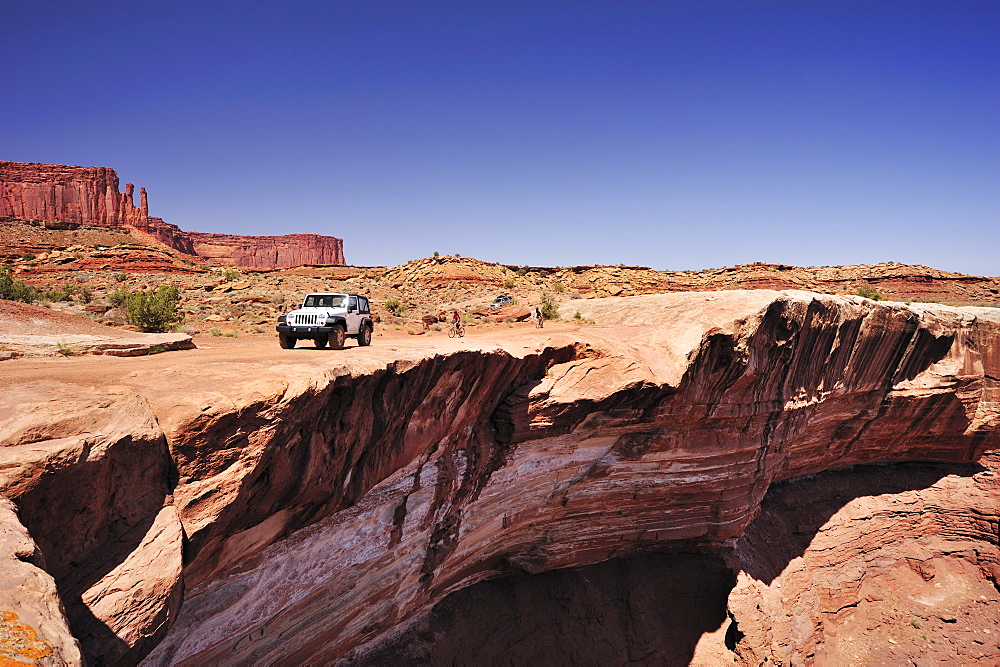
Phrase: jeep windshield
(323,301)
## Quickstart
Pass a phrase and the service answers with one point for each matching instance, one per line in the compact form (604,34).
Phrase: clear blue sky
(674,134)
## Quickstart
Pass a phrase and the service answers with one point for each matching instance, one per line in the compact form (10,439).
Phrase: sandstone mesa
(66,196)
(319,509)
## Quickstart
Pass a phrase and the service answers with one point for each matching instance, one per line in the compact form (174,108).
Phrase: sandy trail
(250,355)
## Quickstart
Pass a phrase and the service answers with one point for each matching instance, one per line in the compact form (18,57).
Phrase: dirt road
(249,355)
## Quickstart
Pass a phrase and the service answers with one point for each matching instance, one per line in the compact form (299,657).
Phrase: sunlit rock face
(65,196)
(873,565)
(316,512)
(268,252)
(647,437)
(56,192)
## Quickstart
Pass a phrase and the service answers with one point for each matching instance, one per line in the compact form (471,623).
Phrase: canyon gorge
(736,476)
(67,197)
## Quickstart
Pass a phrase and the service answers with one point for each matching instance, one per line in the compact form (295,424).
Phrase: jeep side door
(353,314)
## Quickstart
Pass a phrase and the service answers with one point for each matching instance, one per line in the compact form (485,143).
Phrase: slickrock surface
(65,197)
(27,330)
(323,502)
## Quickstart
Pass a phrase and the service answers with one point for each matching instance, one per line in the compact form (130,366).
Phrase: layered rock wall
(63,194)
(311,512)
(268,252)
(82,195)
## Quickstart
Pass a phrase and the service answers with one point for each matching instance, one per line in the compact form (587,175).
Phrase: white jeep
(327,317)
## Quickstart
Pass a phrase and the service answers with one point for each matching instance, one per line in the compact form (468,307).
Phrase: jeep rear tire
(337,338)
(365,336)
(286,342)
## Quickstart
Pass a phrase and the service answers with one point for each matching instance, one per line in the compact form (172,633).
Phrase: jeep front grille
(304,320)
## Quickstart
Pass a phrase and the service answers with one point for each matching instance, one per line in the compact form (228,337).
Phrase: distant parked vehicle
(501,301)
(327,318)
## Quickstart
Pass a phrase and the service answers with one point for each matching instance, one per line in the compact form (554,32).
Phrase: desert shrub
(58,294)
(65,350)
(869,292)
(28,256)
(230,273)
(437,254)
(508,284)
(120,277)
(15,290)
(577,315)
(558,287)
(550,309)
(215,331)
(393,306)
(154,310)
(117,297)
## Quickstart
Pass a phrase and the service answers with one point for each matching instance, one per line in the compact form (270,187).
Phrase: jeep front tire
(337,337)
(287,342)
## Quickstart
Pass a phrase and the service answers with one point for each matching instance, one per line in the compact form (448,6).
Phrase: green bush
(508,284)
(550,309)
(28,256)
(120,277)
(58,294)
(117,297)
(154,310)
(558,287)
(869,292)
(393,306)
(15,290)
(230,273)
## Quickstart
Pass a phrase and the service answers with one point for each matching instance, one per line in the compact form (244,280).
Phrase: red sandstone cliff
(84,195)
(90,196)
(268,252)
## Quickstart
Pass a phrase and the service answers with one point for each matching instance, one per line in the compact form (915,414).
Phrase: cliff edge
(297,507)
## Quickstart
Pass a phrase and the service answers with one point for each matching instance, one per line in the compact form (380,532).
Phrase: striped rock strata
(312,512)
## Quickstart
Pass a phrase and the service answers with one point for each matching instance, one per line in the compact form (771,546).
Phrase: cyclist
(456,323)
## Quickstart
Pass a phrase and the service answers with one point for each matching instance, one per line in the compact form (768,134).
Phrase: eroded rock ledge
(311,512)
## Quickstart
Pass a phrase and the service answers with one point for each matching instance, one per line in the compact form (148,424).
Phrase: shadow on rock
(650,609)
(794,510)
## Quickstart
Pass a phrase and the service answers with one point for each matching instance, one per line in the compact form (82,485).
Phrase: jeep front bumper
(314,332)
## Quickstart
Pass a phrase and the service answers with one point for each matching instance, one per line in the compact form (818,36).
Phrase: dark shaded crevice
(648,609)
(733,633)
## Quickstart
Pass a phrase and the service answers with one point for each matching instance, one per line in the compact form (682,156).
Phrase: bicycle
(456,330)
